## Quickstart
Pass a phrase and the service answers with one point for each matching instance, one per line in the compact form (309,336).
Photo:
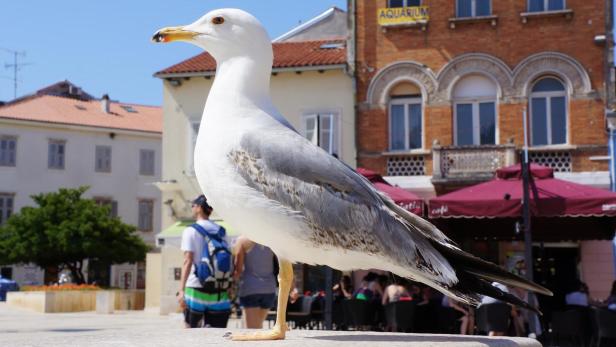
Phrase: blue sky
(104,47)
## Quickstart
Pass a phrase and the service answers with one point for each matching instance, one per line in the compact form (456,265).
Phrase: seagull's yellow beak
(171,34)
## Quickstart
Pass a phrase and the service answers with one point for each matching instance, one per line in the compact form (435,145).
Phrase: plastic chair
(448,320)
(399,316)
(301,318)
(359,313)
(604,326)
(570,327)
(493,317)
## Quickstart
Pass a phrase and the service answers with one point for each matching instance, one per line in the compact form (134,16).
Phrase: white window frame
(473,9)
(405,2)
(548,109)
(149,168)
(412,100)
(545,6)
(7,163)
(335,133)
(476,119)
(54,164)
(101,150)
(149,227)
(5,212)
(191,143)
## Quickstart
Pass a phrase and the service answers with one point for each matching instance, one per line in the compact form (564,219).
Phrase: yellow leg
(285,278)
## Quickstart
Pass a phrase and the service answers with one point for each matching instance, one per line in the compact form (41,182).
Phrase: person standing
(202,306)
(254,268)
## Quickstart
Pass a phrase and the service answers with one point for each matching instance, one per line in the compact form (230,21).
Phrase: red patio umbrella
(550,199)
(401,197)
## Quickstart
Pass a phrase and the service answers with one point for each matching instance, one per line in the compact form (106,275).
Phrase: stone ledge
(299,338)
(360,338)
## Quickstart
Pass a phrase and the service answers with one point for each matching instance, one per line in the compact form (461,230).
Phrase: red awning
(401,197)
(502,197)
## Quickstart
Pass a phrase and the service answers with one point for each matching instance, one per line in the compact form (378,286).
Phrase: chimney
(105,103)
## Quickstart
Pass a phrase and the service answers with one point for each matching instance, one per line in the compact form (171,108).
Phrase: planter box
(50,302)
(126,300)
(107,301)
(103,301)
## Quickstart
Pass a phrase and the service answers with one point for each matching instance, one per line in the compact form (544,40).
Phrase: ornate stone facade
(513,86)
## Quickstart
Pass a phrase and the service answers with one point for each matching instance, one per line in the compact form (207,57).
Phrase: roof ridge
(303,26)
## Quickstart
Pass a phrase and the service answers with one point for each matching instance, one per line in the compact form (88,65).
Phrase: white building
(310,86)
(61,137)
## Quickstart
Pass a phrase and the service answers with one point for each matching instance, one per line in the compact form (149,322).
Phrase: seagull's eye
(218,20)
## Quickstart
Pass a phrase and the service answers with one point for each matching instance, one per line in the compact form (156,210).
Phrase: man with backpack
(206,272)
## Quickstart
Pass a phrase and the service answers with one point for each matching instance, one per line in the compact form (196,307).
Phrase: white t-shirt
(193,242)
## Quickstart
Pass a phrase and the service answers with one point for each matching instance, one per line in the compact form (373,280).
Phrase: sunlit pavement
(137,328)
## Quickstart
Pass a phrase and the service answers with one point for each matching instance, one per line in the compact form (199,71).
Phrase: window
(129,109)
(473,8)
(56,154)
(8,150)
(102,160)
(322,130)
(405,123)
(146,215)
(6,207)
(113,205)
(475,111)
(192,136)
(548,110)
(146,162)
(545,5)
(403,3)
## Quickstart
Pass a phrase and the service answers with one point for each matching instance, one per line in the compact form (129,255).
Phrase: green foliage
(66,229)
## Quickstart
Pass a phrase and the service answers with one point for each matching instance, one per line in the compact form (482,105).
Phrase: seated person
(370,288)
(578,295)
(294,304)
(396,291)
(343,289)
(465,315)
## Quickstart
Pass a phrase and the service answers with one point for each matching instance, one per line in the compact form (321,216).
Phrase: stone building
(443,86)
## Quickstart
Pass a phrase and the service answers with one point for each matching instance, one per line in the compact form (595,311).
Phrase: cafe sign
(402,15)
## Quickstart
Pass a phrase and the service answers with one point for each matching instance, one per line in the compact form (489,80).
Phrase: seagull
(282,191)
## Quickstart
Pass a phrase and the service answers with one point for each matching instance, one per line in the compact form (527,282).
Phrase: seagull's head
(224,33)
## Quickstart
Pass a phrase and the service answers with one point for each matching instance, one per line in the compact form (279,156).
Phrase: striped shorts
(199,301)
(206,308)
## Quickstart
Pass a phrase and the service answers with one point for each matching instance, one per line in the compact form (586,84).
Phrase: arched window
(548,112)
(405,118)
(475,111)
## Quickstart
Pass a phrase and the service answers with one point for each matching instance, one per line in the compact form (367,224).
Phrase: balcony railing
(470,163)
(403,16)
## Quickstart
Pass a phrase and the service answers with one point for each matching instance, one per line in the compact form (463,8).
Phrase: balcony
(469,164)
(403,16)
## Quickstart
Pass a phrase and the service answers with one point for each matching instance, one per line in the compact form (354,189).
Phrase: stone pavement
(19,328)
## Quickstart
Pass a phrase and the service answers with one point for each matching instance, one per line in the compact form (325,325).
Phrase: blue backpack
(215,268)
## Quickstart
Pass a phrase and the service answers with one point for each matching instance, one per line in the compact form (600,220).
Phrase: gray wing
(340,207)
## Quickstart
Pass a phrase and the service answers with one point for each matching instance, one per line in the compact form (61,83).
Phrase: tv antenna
(16,66)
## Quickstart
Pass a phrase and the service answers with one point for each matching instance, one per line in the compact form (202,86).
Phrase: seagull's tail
(475,274)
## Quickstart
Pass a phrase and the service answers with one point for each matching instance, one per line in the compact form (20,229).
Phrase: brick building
(442,86)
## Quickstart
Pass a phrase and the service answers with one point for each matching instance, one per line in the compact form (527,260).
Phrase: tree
(64,230)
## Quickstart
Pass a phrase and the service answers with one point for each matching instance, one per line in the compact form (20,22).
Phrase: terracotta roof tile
(61,110)
(286,55)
